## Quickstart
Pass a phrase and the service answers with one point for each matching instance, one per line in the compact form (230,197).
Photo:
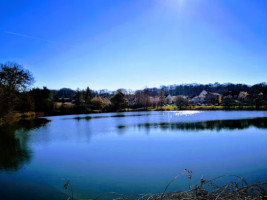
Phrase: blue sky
(111,44)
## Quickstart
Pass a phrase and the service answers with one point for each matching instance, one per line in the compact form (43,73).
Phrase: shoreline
(167,108)
(14,117)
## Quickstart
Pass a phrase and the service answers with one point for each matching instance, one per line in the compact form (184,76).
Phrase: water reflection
(14,151)
(217,125)
(99,117)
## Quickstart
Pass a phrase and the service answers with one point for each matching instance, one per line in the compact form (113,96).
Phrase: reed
(205,190)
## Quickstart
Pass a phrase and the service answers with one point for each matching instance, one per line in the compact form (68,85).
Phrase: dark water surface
(138,152)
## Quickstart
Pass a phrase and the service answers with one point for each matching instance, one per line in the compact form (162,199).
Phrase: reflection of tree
(14,151)
(210,125)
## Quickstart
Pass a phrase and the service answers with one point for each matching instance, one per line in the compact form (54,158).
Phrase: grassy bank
(14,117)
(174,108)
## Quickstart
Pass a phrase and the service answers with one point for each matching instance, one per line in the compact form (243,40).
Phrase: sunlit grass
(175,108)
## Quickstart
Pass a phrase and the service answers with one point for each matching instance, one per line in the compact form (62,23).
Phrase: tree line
(16,94)
(189,90)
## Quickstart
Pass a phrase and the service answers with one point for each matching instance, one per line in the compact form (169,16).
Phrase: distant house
(155,100)
(203,93)
(235,98)
(64,104)
(242,95)
(63,100)
(261,99)
(198,99)
(107,101)
(213,98)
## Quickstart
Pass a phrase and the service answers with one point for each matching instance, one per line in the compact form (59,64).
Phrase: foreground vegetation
(236,189)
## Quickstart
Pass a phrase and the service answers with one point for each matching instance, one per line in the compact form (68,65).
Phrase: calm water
(129,153)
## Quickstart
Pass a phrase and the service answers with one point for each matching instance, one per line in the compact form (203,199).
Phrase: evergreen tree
(78,98)
(118,100)
(88,96)
(162,99)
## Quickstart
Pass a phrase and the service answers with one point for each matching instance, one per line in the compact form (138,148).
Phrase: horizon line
(226,83)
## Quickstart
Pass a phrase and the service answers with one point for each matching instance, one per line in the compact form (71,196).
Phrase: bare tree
(162,99)
(181,101)
(14,78)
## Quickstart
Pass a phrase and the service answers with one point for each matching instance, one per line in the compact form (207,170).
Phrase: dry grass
(206,190)
(12,117)
(174,108)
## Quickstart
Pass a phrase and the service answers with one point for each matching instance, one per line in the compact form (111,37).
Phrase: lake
(129,153)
